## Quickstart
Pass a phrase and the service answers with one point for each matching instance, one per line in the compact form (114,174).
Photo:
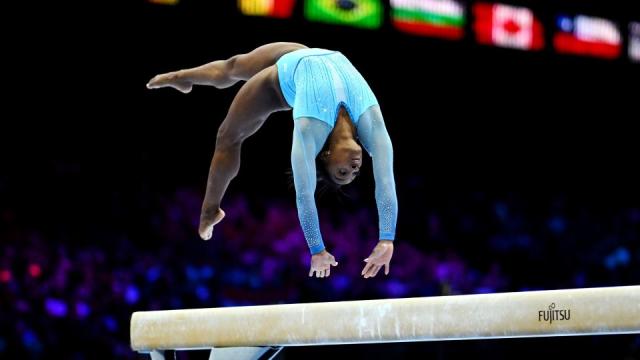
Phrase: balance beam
(591,311)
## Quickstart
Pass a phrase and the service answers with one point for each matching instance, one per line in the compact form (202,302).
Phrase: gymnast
(333,109)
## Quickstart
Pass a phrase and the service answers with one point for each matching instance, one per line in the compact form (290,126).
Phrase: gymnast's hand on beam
(174,79)
(381,255)
(321,264)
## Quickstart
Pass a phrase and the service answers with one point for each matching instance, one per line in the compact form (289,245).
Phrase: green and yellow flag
(358,13)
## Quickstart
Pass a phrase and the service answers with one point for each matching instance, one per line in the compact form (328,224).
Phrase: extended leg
(255,101)
(225,73)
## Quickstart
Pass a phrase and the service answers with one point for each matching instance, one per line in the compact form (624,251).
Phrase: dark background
(515,171)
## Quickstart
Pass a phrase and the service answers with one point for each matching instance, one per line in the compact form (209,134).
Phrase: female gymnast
(333,108)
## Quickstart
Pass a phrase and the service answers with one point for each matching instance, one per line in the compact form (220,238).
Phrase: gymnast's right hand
(321,264)
(175,79)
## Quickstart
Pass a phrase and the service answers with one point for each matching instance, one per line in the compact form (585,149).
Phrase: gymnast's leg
(255,101)
(225,73)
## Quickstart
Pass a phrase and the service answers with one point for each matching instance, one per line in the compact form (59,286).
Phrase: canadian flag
(508,26)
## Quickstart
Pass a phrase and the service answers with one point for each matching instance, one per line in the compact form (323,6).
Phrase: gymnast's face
(343,161)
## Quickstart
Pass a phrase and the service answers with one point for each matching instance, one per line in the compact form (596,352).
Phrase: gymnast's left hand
(380,256)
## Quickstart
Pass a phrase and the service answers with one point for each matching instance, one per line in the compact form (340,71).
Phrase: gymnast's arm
(309,136)
(375,138)
(373,135)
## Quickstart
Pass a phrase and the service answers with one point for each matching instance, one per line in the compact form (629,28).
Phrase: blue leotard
(316,83)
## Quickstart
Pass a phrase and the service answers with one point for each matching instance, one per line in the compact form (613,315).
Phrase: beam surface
(610,310)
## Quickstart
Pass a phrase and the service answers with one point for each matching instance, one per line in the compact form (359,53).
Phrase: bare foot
(172,79)
(208,221)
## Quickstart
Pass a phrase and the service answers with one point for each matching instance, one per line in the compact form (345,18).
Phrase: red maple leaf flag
(508,26)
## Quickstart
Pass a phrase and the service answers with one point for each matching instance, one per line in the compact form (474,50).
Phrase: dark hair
(325,183)
(323,177)
(324,180)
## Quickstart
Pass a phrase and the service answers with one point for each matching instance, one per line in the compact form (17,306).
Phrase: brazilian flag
(358,13)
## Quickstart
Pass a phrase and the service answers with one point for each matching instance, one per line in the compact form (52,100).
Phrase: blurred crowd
(57,286)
